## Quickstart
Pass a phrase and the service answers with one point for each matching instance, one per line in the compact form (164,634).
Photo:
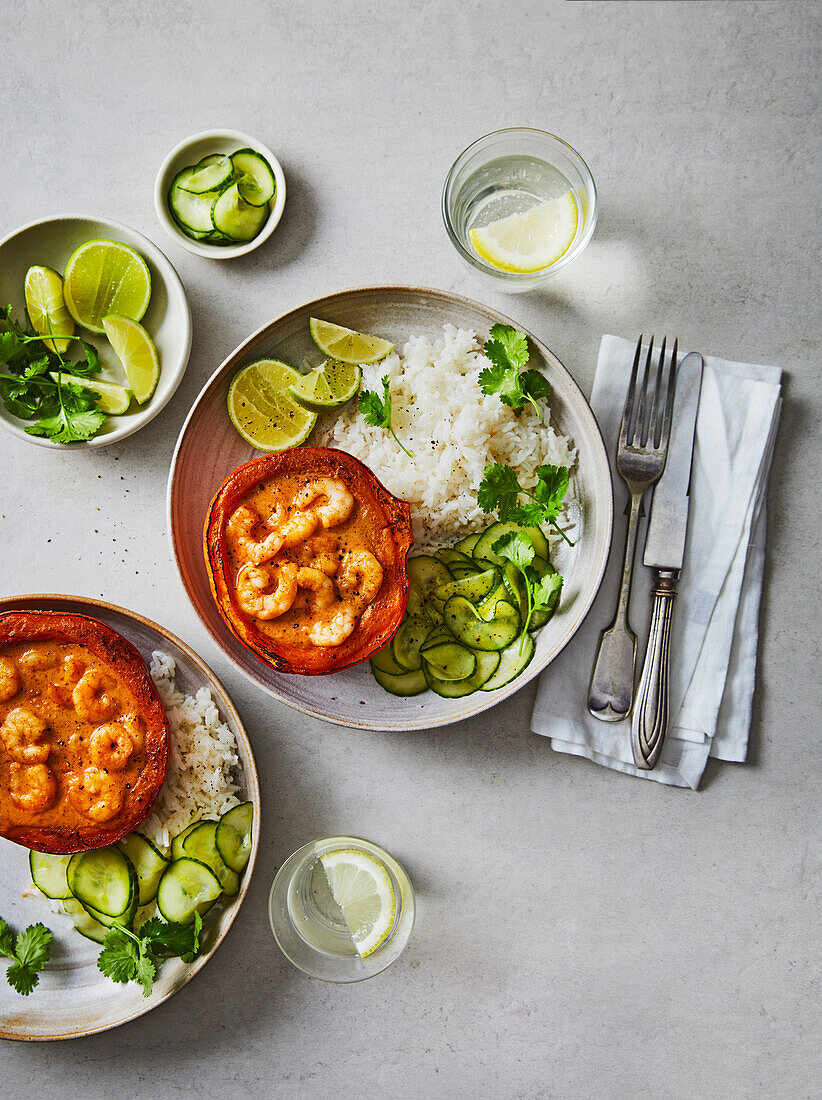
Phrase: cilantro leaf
(516,546)
(551,488)
(92,363)
(507,348)
(133,956)
(120,955)
(167,939)
(498,491)
(377,412)
(545,590)
(30,952)
(542,589)
(146,970)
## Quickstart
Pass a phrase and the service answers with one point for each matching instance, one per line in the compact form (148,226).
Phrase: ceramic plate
(209,448)
(50,243)
(73,998)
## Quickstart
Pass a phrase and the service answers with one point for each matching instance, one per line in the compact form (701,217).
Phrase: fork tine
(654,421)
(640,434)
(629,398)
(669,400)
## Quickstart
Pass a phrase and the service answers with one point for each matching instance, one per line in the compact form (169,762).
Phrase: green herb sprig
(377,412)
(29,952)
(133,956)
(541,591)
(500,490)
(509,352)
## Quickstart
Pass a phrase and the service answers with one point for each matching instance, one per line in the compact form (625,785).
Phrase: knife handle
(650,721)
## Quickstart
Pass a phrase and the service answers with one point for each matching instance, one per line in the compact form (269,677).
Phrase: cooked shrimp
(33,788)
(319,584)
(73,667)
(360,576)
(35,660)
(336,628)
(112,746)
(22,734)
(91,701)
(9,679)
(254,589)
(240,528)
(59,694)
(95,794)
(339,503)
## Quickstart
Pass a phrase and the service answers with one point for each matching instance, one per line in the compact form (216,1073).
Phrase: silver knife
(664,552)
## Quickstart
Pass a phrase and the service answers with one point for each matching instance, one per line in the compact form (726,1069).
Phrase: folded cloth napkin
(715,625)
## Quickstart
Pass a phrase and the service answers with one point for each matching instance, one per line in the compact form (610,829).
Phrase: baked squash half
(83,733)
(306,553)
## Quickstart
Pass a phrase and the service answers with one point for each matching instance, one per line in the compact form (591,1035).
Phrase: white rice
(453,431)
(201,780)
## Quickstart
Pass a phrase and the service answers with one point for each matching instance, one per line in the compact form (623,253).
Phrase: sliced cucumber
(451,557)
(189,210)
(187,887)
(512,661)
(449,661)
(541,616)
(466,545)
(383,661)
(437,636)
(235,217)
(86,925)
(125,919)
(405,645)
(405,683)
(48,873)
(149,863)
(177,842)
(515,586)
(458,689)
(104,880)
(211,174)
(483,548)
(427,573)
(256,181)
(474,587)
(460,572)
(200,844)
(469,627)
(233,836)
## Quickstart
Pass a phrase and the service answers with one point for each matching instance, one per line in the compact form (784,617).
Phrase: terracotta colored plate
(209,448)
(73,998)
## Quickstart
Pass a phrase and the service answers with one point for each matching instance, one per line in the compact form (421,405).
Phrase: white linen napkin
(714,637)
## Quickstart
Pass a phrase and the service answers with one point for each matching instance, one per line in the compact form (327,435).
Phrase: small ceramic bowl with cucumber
(220,194)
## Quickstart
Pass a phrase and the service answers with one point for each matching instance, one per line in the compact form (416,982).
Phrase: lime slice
(105,278)
(261,409)
(114,399)
(531,241)
(328,386)
(346,344)
(362,888)
(46,307)
(136,351)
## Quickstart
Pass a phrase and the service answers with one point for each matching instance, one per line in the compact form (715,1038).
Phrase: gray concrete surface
(580,934)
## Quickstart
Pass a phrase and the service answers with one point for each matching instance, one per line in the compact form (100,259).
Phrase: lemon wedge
(528,242)
(362,888)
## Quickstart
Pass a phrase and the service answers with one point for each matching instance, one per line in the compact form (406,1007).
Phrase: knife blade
(668,525)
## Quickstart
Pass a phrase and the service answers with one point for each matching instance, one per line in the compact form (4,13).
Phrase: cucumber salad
(223,199)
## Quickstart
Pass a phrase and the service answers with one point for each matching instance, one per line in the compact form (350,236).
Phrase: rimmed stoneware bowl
(209,448)
(73,998)
(191,150)
(50,242)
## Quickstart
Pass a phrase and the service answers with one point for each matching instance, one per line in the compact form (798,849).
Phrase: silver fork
(640,463)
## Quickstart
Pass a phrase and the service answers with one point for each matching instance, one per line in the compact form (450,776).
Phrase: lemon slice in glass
(137,353)
(328,386)
(46,306)
(261,409)
(105,278)
(362,888)
(346,344)
(528,242)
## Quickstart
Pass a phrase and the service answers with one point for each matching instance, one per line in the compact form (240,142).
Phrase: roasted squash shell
(128,666)
(391,533)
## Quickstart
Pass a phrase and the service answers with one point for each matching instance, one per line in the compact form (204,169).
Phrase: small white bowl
(51,241)
(192,150)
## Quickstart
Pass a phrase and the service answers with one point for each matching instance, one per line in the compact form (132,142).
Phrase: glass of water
(315,933)
(519,205)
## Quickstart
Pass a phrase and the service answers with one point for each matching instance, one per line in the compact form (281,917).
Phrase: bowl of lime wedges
(95,332)
(220,194)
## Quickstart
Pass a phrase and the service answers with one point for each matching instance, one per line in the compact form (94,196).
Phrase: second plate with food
(210,448)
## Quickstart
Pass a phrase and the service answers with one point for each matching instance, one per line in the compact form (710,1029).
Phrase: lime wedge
(46,307)
(114,399)
(362,888)
(261,409)
(531,241)
(328,386)
(346,344)
(136,351)
(105,278)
